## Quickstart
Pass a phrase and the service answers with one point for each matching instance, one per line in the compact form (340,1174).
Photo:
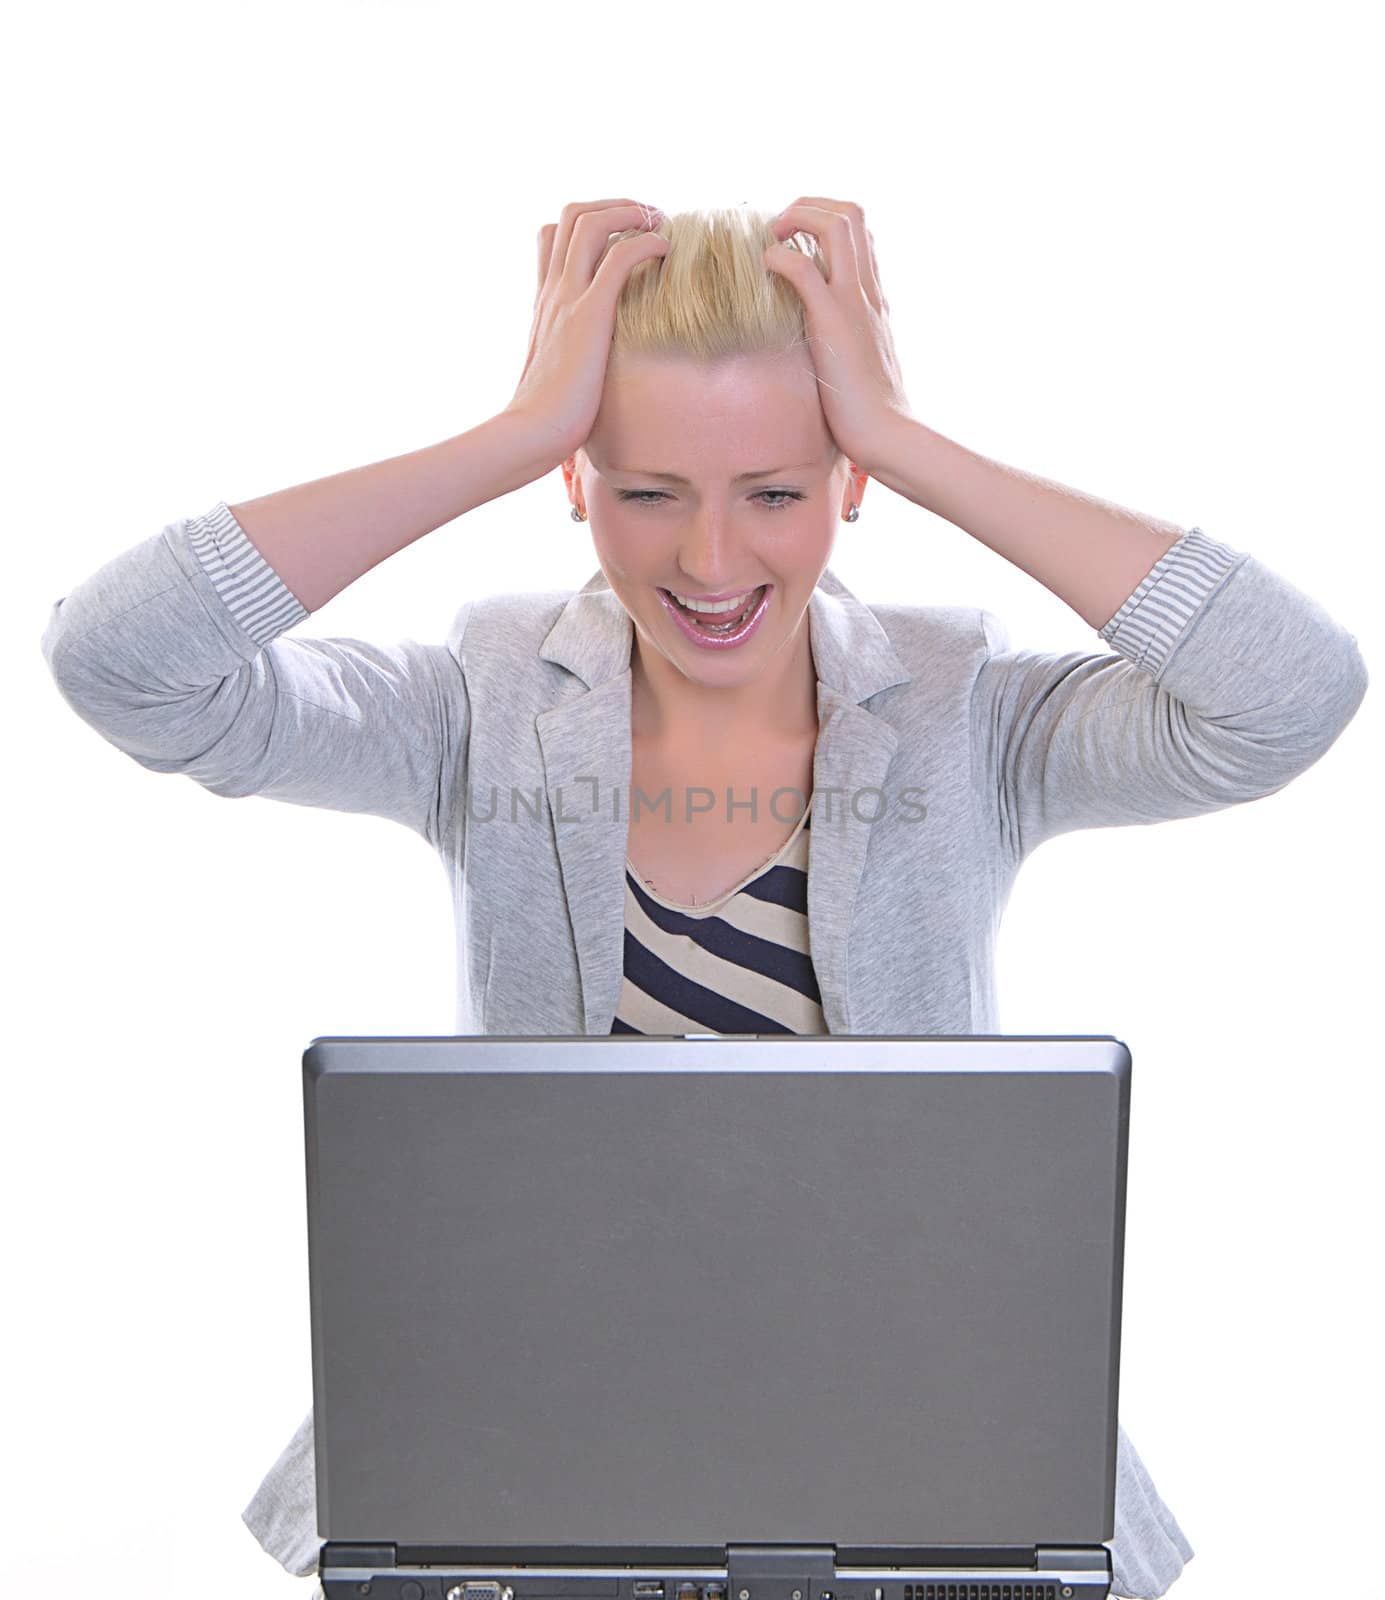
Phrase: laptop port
(653,1588)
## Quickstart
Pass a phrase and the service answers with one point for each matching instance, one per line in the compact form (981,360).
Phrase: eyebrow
(743,477)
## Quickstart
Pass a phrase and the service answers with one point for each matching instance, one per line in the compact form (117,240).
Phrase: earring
(578,516)
(852,515)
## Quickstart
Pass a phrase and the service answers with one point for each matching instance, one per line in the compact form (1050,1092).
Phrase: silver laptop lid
(643,1291)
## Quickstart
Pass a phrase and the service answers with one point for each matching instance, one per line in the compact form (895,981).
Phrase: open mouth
(717,624)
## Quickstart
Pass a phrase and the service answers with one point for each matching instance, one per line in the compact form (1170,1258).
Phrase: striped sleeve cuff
(259,600)
(1153,619)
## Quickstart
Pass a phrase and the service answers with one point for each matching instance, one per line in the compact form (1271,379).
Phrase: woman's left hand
(859,381)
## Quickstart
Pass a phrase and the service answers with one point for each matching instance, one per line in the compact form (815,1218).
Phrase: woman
(718,389)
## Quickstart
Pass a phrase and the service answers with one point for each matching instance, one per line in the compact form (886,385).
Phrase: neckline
(710,905)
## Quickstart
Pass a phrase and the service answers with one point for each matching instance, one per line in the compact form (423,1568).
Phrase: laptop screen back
(641,1290)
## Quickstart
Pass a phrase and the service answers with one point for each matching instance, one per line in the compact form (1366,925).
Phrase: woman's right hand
(580,281)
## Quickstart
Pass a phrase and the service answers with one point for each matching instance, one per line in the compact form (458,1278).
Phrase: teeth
(710,607)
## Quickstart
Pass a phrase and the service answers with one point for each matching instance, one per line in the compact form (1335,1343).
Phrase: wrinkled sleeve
(174,651)
(1149,1549)
(1226,682)
(282,1513)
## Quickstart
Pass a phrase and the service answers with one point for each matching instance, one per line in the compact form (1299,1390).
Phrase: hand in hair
(859,380)
(581,275)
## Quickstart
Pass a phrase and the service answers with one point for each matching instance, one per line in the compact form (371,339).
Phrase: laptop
(716,1317)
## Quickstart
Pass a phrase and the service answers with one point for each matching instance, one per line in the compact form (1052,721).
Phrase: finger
(551,264)
(546,237)
(851,224)
(828,229)
(621,260)
(591,237)
(808,276)
(876,287)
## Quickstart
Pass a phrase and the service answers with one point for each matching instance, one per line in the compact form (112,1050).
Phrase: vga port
(486,1589)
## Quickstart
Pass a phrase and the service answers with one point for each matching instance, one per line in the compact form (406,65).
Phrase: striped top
(739,964)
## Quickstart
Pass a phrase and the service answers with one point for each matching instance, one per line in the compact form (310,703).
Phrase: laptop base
(737,1572)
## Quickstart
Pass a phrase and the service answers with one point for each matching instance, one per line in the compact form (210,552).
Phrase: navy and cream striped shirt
(739,964)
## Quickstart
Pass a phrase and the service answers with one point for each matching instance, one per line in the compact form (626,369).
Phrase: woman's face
(717,531)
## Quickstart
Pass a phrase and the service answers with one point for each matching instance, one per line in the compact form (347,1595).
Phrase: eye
(642,497)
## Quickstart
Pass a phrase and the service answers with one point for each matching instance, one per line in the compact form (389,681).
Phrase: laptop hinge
(336,1554)
(780,1571)
(1075,1558)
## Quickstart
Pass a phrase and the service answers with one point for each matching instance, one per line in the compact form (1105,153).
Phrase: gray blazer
(944,757)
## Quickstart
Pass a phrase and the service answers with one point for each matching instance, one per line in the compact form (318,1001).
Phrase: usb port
(652,1587)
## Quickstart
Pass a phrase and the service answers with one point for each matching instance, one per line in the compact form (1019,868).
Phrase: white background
(1132,249)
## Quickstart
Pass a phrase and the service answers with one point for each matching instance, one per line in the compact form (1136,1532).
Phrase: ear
(570,480)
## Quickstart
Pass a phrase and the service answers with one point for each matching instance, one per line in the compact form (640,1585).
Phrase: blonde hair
(711,297)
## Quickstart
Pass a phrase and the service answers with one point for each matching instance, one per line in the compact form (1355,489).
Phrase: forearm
(321,536)
(1090,553)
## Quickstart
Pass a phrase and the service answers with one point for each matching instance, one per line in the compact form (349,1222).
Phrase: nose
(711,555)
